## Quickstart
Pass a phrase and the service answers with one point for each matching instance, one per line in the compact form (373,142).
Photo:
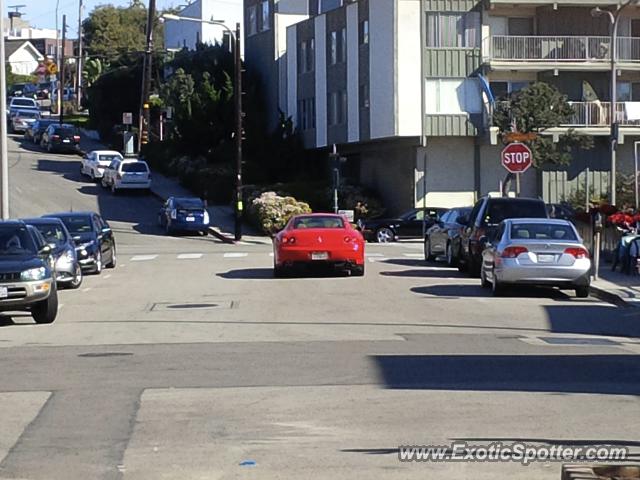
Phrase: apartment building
(406,88)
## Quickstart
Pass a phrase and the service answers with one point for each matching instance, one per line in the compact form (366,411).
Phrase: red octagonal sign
(516,157)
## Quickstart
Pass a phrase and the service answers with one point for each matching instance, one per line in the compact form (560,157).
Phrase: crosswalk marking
(235,255)
(373,255)
(190,256)
(413,255)
(143,258)
(376,259)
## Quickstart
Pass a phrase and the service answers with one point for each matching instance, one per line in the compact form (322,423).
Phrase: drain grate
(578,341)
(105,354)
(166,306)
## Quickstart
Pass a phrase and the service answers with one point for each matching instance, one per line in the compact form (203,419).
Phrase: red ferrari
(320,239)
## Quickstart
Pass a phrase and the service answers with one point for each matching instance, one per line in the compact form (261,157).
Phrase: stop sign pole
(516,158)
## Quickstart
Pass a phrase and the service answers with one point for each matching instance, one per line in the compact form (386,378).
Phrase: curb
(607,296)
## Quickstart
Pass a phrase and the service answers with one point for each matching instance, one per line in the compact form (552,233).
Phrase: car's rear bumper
(303,255)
(133,186)
(189,226)
(578,274)
(23,295)
(65,147)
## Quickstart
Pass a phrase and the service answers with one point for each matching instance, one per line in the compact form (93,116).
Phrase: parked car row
(38,256)
(511,241)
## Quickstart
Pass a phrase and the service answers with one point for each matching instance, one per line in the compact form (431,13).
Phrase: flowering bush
(271,212)
(622,219)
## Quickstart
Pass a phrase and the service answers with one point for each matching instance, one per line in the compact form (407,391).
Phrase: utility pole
(4,160)
(144,121)
(238,133)
(79,61)
(62,70)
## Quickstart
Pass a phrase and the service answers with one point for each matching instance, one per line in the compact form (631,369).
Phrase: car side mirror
(46,250)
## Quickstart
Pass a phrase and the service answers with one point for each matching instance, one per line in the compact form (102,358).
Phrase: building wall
(353,78)
(320,26)
(408,63)
(180,34)
(382,72)
(364,66)
(23,62)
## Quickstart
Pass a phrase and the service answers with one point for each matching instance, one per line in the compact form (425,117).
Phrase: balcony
(560,52)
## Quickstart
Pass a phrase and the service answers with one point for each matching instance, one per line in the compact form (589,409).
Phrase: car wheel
(47,310)
(582,291)
(97,269)
(357,271)
(279,272)
(385,235)
(483,279)
(451,260)
(428,256)
(77,278)
(496,287)
(114,259)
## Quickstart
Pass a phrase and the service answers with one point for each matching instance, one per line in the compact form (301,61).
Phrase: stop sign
(516,157)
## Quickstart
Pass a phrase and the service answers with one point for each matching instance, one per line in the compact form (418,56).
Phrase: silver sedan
(536,251)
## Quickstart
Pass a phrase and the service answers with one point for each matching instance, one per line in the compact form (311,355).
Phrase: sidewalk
(617,288)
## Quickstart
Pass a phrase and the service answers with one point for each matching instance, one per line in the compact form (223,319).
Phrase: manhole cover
(578,341)
(105,354)
(179,306)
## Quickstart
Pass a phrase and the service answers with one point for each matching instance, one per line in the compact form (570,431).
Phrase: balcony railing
(554,49)
(598,114)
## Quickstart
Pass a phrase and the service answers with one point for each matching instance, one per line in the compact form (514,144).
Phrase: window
(342,46)
(457,30)
(302,58)
(307,114)
(264,16)
(311,55)
(333,47)
(364,96)
(306,58)
(502,90)
(338,46)
(453,96)
(338,108)
(542,231)
(363,34)
(252,20)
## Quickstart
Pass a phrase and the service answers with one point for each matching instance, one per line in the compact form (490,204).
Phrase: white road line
(373,255)
(271,254)
(190,256)
(413,255)
(376,259)
(235,255)
(143,258)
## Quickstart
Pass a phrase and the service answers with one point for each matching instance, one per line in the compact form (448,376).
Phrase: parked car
(443,234)
(128,173)
(562,211)
(182,214)
(23,119)
(320,239)
(22,103)
(56,235)
(485,217)
(95,163)
(27,272)
(407,225)
(94,239)
(35,130)
(533,251)
(60,138)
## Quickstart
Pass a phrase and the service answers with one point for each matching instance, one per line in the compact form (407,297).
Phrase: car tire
(385,235)
(451,260)
(483,279)
(582,291)
(46,310)
(114,259)
(428,256)
(280,272)
(357,271)
(77,278)
(97,269)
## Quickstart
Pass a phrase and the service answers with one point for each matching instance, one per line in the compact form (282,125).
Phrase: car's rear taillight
(289,240)
(76,138)
(348,239)
(513,252)
(55,137)
(577,252)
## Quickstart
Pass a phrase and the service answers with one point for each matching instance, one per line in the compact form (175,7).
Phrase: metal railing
(515,48)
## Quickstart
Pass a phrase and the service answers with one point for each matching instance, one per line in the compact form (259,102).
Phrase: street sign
(516,157)
(349,214)
(127,118)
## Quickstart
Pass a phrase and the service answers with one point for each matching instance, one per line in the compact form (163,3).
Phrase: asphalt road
(189,361)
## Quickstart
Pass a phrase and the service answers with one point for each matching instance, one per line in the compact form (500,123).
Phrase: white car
(128,173)
(96,162)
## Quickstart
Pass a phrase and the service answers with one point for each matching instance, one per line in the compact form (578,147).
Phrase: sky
(42,13)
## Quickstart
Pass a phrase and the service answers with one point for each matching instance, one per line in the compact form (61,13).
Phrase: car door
(490,251)
(440,231)
(165,212)
(108,236)
(411,224)
(103,240)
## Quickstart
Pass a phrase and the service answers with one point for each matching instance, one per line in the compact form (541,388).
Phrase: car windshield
(64,132)
(135,167)
(16,240)
(27,114)
(318,222)
(52,233)
(503,209)
(108,157)
(22,102)
(189,203)
(542,231)
(78,224)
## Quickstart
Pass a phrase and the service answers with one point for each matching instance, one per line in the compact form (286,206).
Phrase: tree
(535,109)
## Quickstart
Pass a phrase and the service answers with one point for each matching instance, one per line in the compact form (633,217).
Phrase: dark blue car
(182,214)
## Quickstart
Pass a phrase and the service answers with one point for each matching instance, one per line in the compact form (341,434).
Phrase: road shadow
(467,291)
(594,320)
(267,274)
(29,146)
(551,441)
(601,374)
(423,273)
(67,169)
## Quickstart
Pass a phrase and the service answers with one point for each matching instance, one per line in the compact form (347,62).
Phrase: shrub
(364,202)
(270,212)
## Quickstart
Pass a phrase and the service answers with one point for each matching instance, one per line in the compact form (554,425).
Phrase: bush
(364,202)
(271,212)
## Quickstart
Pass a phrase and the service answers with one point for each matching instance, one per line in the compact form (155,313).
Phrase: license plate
(66,141)
(4,292)
(545,258)
(319,256)
(191,219)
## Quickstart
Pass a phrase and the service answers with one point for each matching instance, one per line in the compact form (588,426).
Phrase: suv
(27,272)
(128,173)
(483,221)
(62,138)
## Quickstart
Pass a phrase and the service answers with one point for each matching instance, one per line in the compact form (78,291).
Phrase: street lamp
(237,93)
(614,18)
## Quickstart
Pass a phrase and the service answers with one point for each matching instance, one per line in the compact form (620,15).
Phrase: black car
(483,221)
(94,239)
(443,238)
(35,130)
(56,235)
(407,225)
(60,138)
(561,211)
(27,272)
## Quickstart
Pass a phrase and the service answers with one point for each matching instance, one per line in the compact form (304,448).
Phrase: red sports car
(318,239)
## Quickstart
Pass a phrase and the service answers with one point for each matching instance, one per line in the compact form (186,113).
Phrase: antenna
(15,14)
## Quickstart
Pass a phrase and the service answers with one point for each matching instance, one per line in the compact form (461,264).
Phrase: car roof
(64,125)
(12,222)
(41,220)
(105,152)
(553,221)
(69,214)
(132,160)
(318,214)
